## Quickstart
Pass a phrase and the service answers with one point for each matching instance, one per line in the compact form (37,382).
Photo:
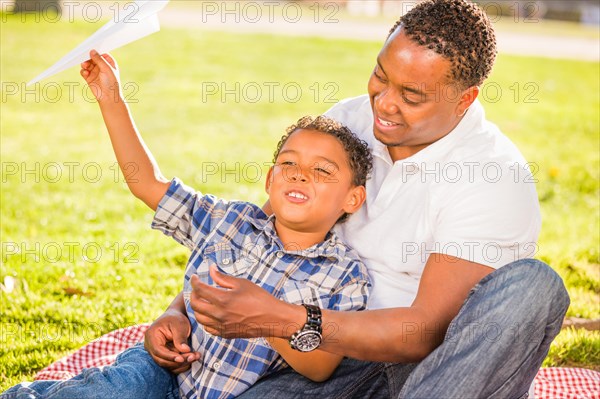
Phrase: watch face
(307,341)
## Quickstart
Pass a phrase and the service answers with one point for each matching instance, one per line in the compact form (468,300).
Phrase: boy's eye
(286,163)
(323,171)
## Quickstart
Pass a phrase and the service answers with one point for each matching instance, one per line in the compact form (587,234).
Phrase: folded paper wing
(131,27)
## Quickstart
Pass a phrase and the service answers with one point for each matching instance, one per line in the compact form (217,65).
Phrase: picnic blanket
(550,382)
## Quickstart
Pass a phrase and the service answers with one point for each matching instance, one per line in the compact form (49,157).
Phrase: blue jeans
(134,375)
(493,349)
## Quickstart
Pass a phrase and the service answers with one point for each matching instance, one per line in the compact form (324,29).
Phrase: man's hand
(102,76)
(166,341)
(242,309)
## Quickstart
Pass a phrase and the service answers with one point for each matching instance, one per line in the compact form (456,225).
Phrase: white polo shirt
(470,195)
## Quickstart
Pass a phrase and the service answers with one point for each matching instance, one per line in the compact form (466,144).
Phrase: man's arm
(408,334)
(141,172)
(317,365)
(394,335)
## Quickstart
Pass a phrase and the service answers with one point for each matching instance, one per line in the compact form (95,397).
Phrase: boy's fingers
(167,355)
(92,73)
(182,347)
(99,62)
(157,344)
(179,369)
(110,60)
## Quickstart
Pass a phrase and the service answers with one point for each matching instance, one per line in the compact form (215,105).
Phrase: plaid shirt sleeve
(353,291)
(186,215)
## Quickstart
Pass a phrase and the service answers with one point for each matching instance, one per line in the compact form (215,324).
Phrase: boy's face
(310,185)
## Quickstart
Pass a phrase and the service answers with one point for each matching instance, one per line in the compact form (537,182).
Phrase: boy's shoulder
(246,209)
(349,259)
(241,215)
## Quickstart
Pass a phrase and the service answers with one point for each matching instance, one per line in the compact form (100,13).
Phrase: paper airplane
(129,28)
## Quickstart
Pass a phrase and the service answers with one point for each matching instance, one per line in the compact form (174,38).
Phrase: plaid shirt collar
(331,247)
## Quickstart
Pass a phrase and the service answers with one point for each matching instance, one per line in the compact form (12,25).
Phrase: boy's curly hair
(359,155)
(458,30)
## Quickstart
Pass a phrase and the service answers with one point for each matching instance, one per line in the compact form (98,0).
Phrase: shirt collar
(331,247)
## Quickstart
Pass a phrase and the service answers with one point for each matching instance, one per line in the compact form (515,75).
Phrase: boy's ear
(269,179)
(355,198)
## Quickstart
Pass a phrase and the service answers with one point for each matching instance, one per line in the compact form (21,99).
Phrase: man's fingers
(221,279)
(204,291)
(205,317)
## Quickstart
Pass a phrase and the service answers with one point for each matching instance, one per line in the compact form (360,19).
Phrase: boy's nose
(300,174)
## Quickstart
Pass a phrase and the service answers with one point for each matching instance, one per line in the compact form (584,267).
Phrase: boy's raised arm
(141,172)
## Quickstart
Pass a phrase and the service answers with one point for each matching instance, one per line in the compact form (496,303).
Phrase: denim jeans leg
(352,379)
(133,375)
(498,340)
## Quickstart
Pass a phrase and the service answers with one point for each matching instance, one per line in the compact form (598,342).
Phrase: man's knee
(543,286)
(541,279)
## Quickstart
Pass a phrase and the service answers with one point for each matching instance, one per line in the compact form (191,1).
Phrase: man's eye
(412,99)
(378,76)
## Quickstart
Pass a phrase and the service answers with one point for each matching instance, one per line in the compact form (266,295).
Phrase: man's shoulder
(356,114)
(483,141)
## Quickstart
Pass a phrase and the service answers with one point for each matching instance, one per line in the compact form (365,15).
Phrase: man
(450,219)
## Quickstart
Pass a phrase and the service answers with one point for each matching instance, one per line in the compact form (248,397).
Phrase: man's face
(414,101)
(310,186)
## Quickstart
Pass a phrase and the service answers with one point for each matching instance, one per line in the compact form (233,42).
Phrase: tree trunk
(40,6)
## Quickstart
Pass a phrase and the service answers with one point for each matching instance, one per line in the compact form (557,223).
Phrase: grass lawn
(78,246)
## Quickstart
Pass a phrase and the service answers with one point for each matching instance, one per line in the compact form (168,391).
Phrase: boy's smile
(310,187)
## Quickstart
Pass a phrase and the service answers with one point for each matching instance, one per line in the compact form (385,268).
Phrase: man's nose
(386,102)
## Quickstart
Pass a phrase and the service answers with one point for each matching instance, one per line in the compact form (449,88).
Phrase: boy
(317,180)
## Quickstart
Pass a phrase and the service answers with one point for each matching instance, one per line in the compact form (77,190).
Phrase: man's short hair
(459,31)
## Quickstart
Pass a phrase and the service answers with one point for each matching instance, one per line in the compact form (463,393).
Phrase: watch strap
(313,318)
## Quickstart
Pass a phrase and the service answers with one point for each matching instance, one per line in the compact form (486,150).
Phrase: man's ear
(269,179)
(355,198)
(467,98)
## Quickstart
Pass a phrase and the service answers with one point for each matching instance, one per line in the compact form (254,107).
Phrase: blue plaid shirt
(240,239)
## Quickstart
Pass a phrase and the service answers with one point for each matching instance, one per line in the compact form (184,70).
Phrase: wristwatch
(309,337)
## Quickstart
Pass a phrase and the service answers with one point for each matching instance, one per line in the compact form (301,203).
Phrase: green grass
(66,296)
